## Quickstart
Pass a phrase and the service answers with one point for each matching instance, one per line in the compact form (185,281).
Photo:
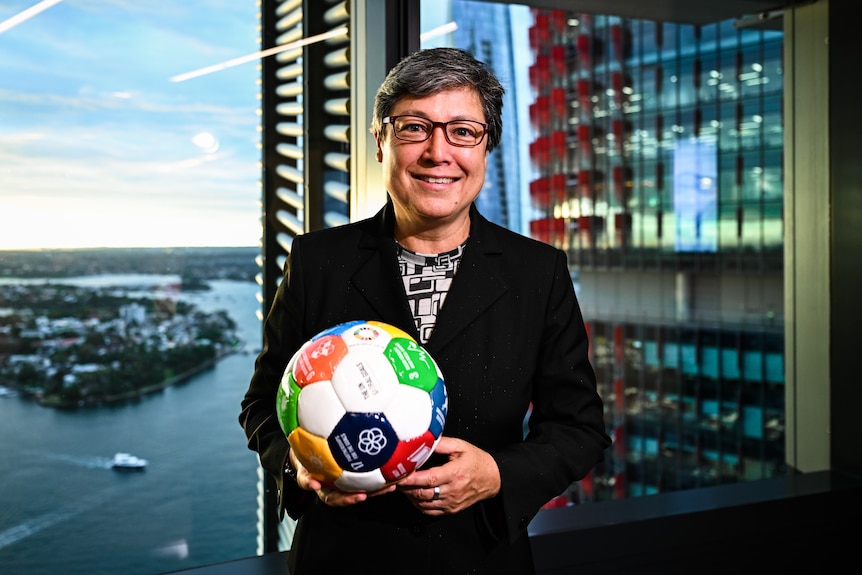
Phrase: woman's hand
(469,476)
(328,493)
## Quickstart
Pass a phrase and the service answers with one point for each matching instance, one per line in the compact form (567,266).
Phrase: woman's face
(433,182)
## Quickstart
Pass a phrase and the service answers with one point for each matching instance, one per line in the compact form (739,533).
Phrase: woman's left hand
(469,476)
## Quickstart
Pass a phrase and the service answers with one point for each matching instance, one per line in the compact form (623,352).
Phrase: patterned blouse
(426,280)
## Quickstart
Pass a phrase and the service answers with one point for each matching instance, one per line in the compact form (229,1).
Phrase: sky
(100,148)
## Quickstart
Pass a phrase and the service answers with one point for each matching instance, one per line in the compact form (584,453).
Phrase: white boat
(127,461)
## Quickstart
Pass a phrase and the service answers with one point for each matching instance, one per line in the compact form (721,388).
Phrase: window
(113,166)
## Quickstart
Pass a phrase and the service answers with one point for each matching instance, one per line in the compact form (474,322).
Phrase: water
(64,510)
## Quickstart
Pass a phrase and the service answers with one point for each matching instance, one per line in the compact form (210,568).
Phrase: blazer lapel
(477,285)
(378,278)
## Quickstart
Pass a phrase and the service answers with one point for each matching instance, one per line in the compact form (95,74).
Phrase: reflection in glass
(654,160)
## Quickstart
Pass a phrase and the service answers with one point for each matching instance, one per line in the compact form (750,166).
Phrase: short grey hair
(434,70)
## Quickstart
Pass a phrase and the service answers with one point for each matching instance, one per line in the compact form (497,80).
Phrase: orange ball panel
(313,452)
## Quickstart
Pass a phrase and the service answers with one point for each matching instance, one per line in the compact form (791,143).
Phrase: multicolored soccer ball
(362,405)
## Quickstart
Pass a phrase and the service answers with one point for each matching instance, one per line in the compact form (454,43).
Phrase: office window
(129,228)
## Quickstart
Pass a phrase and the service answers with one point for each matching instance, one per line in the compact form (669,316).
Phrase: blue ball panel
(362,441)
(440,400)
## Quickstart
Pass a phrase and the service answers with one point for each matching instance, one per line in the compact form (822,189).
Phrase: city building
(658,162)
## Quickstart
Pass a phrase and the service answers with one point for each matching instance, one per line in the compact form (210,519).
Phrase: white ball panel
(318,408)
(366,336)
(412,412)
(365,382)
(366,481)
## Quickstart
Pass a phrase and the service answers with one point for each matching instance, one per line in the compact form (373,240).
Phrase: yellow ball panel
(313,452)
(393,331)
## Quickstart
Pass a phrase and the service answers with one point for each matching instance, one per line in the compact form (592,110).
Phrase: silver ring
(436,493)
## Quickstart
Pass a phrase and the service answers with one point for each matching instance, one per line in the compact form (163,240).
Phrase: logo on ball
(372,441)
(366,333)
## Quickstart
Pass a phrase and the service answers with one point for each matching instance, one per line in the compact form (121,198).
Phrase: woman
(495,309)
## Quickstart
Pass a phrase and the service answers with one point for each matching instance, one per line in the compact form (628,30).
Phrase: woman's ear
(379,148)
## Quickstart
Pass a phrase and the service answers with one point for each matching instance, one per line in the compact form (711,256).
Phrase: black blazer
(509,338)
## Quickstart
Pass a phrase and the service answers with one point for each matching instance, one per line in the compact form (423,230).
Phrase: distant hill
(192,264)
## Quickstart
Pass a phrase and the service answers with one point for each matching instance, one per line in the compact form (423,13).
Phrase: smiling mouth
(436,180)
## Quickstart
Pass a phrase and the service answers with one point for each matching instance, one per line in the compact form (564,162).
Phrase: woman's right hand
(328,493)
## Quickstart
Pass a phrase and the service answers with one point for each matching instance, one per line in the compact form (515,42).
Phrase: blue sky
(98,147)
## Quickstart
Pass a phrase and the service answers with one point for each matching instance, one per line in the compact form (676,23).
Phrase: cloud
(97,147)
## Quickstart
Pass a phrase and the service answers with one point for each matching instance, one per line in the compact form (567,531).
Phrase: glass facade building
(658,168)
(480,27)
(655,162)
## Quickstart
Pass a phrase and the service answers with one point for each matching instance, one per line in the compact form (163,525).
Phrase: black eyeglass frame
(390,119)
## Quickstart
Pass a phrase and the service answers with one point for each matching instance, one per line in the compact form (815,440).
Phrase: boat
(128,461)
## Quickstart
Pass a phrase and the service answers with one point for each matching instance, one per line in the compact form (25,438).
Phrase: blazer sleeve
(282,336)
(566,433)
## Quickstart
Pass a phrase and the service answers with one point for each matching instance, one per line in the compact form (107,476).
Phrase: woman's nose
(437,145)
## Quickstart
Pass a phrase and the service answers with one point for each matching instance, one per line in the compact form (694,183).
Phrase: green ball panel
(412,364)
(286,401)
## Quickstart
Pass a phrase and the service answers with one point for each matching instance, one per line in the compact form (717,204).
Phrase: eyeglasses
(461,133)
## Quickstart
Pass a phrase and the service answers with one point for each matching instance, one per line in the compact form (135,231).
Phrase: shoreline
(138,393)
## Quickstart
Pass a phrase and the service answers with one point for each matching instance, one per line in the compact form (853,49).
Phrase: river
(64,510)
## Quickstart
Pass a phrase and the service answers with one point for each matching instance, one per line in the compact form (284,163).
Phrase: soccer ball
(362,405)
